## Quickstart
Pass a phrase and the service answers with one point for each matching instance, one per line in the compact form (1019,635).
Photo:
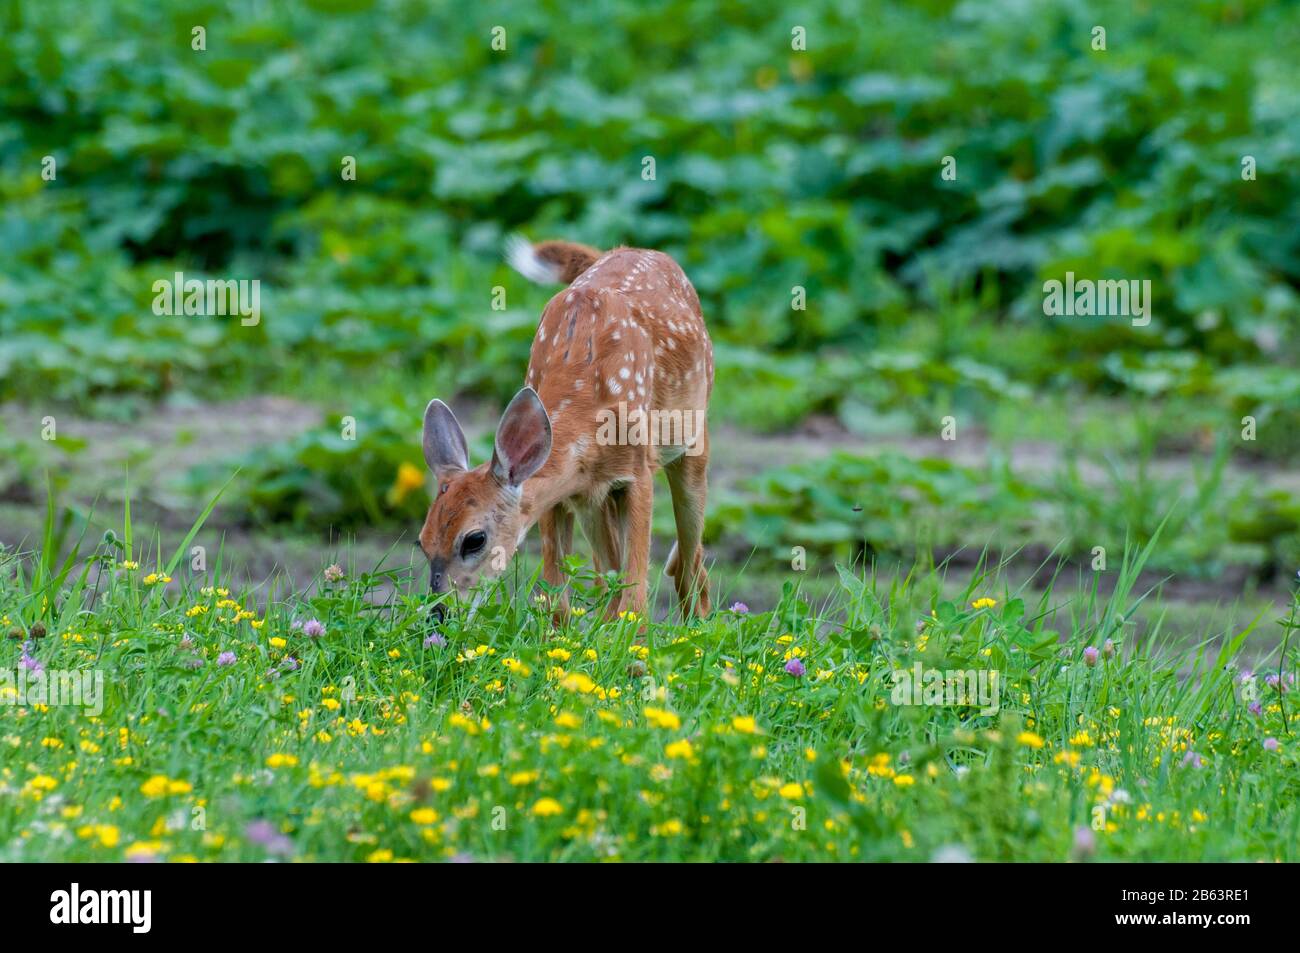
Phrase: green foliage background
(774,167)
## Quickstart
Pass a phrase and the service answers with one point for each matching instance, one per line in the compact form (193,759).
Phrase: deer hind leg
(556,527)
(688,479)
(604,529)
(637,520)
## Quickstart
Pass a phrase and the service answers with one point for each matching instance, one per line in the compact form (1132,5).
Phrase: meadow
(915,461)
(339,728)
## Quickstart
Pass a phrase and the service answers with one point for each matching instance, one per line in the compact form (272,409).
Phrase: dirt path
(158,446)
(740,453)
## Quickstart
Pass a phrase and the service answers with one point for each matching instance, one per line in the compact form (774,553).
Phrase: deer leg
(556,526)
(636,523)
(688,479)
(604,529)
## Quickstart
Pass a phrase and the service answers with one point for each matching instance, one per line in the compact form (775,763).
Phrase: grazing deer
(618,385)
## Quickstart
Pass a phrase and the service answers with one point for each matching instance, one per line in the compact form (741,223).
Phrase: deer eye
(473,543)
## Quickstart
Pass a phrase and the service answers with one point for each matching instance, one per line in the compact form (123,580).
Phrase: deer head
(474,524)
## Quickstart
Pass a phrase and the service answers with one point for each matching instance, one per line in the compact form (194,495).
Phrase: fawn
(618,385)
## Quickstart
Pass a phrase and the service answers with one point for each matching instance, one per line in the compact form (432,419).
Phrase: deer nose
(437,575)
(437,586)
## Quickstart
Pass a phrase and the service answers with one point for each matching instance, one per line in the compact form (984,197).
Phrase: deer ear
(523,439)
(444,441)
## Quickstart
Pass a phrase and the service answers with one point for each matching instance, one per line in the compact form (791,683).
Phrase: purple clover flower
(739,608)
(1085,842)
(1270,744)
(796,668)
(313,629)
(265,834)
(434,640)
(1090,655)
(226,658)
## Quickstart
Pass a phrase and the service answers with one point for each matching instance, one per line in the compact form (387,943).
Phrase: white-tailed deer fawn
(618,385)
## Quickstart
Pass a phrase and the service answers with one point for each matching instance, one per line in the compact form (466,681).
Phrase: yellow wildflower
(547,807)
(409,477)
(679,749)
(662,718)
(745,724)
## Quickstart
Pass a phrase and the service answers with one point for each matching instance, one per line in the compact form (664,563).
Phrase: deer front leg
(556,527)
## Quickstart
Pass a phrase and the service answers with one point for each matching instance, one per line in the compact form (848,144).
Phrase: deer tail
(549,262)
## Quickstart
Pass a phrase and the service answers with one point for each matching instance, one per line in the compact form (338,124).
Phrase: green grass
(622,740)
